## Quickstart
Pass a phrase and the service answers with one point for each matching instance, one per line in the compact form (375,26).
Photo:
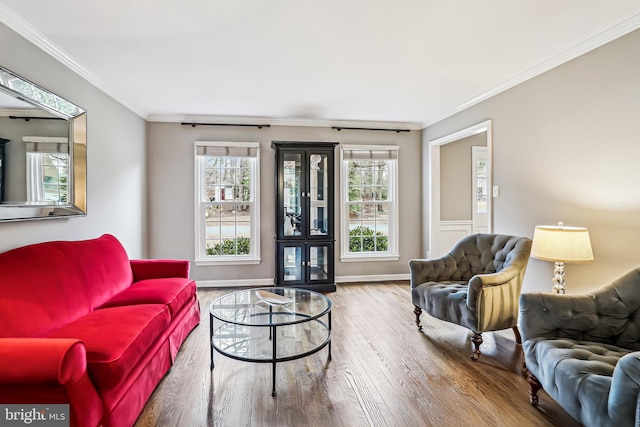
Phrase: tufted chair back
(485,254)
(618,309)
(609,315)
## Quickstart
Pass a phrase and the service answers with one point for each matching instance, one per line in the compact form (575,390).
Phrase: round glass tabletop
(274,306)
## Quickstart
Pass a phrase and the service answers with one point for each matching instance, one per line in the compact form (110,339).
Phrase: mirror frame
(33,94)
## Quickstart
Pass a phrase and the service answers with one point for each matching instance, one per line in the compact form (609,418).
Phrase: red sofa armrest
(51,361)
(144,269)
(31,367)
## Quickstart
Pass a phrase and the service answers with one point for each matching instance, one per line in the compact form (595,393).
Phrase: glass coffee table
(270,325)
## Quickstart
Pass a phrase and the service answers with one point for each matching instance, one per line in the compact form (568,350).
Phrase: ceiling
(292,61)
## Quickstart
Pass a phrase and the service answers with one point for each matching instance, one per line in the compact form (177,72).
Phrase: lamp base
(558,278)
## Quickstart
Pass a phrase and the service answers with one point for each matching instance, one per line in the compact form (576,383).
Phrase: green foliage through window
(368,180)
(239,246)
(364,239)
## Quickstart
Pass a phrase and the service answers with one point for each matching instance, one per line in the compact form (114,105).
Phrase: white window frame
(392,253)
(201,257)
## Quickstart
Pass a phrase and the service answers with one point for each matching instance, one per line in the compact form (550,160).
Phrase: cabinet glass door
(292,264)
(318,194)
(319,263)
(292,169)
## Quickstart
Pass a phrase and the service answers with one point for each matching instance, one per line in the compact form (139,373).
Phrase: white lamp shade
(561,244)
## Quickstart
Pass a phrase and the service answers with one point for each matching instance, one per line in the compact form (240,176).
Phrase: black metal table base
(274,338)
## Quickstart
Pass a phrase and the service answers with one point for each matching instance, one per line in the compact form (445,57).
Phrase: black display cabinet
(305,236)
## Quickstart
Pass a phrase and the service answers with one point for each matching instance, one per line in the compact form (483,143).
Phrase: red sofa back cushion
(47,285)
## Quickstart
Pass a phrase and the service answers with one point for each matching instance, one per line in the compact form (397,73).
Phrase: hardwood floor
(384,372)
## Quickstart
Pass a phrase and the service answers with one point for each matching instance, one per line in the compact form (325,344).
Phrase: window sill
(372,257)
(227,261)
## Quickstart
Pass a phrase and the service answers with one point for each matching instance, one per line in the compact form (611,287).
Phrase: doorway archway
(445,232)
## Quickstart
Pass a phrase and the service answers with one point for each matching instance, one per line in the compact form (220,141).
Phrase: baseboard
(250,283)
(373,278)
(241,283)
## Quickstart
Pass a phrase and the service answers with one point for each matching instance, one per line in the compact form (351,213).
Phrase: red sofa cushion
(117,339)
(174,292)
(71,278)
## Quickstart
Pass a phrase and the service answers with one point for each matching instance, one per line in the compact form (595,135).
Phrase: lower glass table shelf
(270,325)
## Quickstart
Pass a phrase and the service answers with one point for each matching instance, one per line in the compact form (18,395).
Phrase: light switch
(496,191)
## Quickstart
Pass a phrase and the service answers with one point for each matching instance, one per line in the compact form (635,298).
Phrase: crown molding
(606,36)
(20,26)
(240,120)
(23,28)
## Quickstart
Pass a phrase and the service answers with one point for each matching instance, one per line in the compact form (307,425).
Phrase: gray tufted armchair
(476,285)
(584,350)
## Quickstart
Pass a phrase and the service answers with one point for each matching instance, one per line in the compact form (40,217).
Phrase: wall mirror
(460,184)
(43,152)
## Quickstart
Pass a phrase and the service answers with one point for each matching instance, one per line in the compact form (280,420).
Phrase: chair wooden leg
(535,387)
(516,332)
(417,311)
(476,339)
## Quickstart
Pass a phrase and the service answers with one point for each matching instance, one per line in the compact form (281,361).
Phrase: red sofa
(82,324)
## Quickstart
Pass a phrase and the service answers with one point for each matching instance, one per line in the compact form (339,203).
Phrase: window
(227,203)
(47,169)
(369,203)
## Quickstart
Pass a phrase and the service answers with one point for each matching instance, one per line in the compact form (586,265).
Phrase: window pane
(243,193)
(355,194)
(355,211)
(355,244)
(228,229)
(211,162)
(214,246)
(50,177)
(481,184)
(368,227)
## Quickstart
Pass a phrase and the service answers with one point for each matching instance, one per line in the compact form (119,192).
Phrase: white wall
(171,194)
(566,146)
(116,168)
(456,178)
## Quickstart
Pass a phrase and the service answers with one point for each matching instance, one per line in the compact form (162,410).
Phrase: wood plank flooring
(384,372)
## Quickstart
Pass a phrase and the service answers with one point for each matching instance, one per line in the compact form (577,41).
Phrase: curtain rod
(339,128)
(259,126)
(27,118)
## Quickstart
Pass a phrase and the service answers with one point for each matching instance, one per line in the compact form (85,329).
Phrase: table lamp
(561,244)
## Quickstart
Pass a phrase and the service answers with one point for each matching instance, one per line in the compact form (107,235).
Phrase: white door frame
(434,181)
